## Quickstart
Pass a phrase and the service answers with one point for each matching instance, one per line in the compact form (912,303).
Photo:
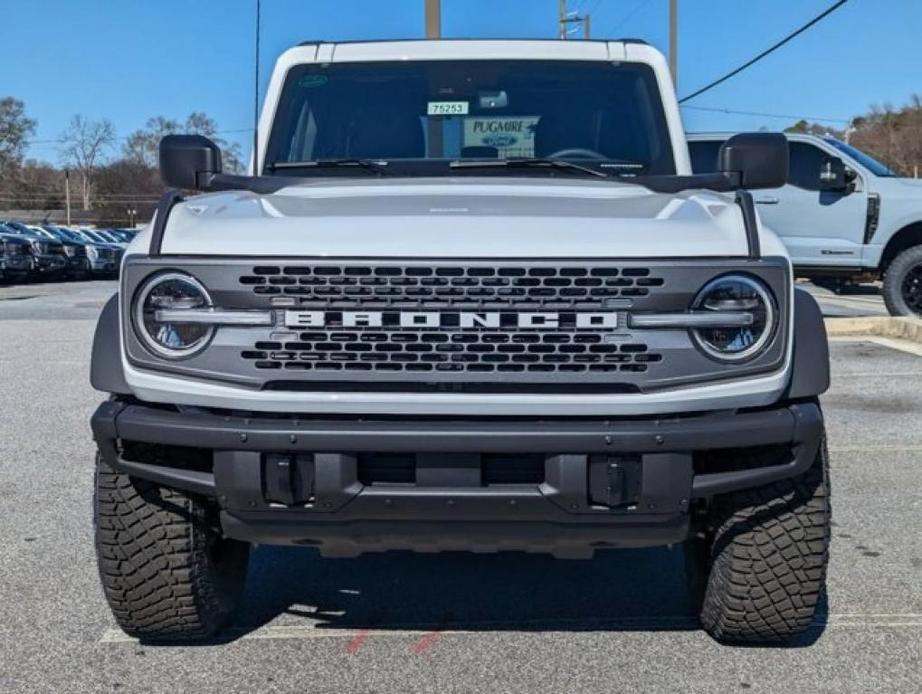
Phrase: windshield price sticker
(448,108)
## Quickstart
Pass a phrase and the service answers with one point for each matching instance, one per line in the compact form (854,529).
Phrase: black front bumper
(603,483)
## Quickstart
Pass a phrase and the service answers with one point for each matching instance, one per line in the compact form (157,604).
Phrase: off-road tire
(765,559)
(166,572)
(894,278)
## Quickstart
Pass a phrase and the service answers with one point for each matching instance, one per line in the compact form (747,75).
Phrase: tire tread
(153,563)
(768,558)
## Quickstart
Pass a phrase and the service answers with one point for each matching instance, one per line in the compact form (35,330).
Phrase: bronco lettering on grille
(452,319)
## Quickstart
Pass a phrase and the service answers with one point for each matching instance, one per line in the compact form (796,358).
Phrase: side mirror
(755,160)
(833,175)
(189,161)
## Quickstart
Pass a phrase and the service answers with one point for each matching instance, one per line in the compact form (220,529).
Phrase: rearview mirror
(189,162)
(833,176)
(755,160)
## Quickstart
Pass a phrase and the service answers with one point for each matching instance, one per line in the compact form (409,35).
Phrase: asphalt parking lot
(445,623)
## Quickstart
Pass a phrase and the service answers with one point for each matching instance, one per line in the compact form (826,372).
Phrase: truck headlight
(736,293)
(171,290)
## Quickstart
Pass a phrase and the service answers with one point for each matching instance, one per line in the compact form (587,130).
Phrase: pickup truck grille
(340,286)
(16,249)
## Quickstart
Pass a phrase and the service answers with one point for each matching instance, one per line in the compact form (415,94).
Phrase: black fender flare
(810,360)
(106,373)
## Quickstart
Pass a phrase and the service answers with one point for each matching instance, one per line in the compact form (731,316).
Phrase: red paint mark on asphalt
(356,643)
(426,641)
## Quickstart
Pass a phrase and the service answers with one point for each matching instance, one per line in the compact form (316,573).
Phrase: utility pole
(566,19)
(433,19)
(435,140)
(67,193)
(674,40)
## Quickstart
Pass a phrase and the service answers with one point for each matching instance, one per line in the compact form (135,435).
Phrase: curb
(909,329)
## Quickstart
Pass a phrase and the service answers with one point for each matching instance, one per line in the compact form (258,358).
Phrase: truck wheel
(167,573)
(903,283)
(765,560)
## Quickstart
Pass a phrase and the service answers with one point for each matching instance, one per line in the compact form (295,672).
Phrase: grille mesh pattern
(523,287)
(452,350)
(403,350)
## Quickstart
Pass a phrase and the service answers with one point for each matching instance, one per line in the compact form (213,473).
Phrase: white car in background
(843,216)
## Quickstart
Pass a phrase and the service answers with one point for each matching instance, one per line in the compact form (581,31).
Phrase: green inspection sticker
(312,81)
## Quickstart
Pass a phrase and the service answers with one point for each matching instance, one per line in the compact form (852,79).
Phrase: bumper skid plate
(595,483)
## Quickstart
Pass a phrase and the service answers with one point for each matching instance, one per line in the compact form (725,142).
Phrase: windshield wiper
(374,165)
(526,162)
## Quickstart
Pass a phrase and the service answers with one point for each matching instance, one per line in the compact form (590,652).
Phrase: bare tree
(83,145)
(142,146)
(15,129)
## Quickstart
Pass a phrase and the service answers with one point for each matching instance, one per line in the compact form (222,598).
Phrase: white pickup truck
(843,216)
(470,297)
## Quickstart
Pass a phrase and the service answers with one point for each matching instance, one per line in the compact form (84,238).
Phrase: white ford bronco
(843,216)
(469,297)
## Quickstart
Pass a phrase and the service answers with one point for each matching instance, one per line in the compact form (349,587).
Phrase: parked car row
(49,252)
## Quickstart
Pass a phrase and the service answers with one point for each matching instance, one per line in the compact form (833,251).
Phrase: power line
(124,138)
(766,52)
(105,198)
(624,20)
(816,119)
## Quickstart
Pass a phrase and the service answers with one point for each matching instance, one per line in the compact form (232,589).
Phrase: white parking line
(911,620)
(899,345)
(877,374)
(879,448)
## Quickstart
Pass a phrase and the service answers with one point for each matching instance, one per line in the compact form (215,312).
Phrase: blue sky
(127,60)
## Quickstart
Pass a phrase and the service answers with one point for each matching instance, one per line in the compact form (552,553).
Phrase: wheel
(166,572)
(761,570)
(903,283)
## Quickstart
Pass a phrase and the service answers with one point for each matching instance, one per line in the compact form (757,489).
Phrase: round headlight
(736,294)
(172,340)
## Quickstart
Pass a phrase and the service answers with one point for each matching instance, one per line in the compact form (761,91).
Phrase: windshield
(417,117)
(866,160)
(93,236)
(68,234)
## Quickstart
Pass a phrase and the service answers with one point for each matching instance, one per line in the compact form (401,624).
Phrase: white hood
(459,217)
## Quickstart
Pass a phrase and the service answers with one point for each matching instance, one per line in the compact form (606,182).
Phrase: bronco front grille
(455,350)
(511,325)
(452,350)
(394,285)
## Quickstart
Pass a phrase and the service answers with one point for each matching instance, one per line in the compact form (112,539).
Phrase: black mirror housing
(833,175)
(755,160)
(189,162)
